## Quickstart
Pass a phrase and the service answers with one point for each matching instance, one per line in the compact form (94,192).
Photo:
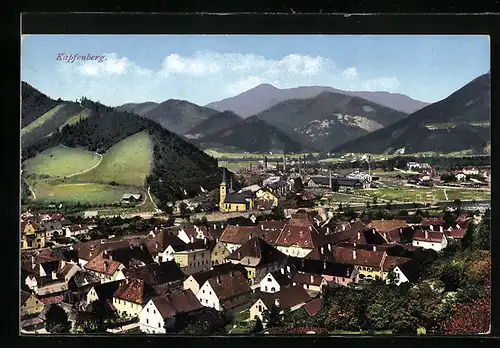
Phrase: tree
(258,327)
(336,186)
(57,320)
(298,185)
(482,237)
(468,239)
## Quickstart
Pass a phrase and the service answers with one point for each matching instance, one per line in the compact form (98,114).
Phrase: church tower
(223,190)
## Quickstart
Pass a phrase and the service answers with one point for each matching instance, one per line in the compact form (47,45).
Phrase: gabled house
(299,237)
(131,295)
(456,233)
(30,305)
(131,256)
(52,228)
(76,230)
(313,307)
(81,283)
(166,274)
(160,312)
(430,240)
(52,277)
(277,280)
(310,282)
(193,260)
(258,257)
(384,226)
(132,198)
(291,298)
(407,272)
(334,273)
(103,294)
(433,224)
(188,235)
(196,280)
(32,235)
(234,237)
(162,245)
(390,262)
(219,254)
(230,291)
(104,268)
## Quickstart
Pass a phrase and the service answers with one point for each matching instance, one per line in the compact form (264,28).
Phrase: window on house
(206,300)
(265,288)
(159,325)
(216,253)
(210,292)
(432,244)
(307,286)
(417,243)
(147,310)
(273,289)
(154,311)
(147,321)
(269,279)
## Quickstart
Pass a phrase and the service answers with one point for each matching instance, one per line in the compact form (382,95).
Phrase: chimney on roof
(343,227)
(126,280)
(324,264)
(359,235)
(288,269)
(374,248)
(219,281)
(249,236)
(239,255)
(312,279)
(329,247)
(431,228)
(322,251)
(426,235)
(354,254)
(303,263)
(156,245)
(63,263)
(327,230)
(33,264)
(262,227)
(440,228)
(102,241)
(54,275)
(277,302)
(373,231)
(282,270)
(400,231)
(215,226)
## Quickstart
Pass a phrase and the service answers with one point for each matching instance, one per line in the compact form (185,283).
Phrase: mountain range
(252,135)
(213,124)
(458,122)
(329,119)
(245,105)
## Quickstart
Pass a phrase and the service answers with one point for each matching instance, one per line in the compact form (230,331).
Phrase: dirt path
(445,195)
(151,199)
(86,170)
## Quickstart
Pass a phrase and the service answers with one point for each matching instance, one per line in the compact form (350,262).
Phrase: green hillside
(60,161)
(51,121)
(126,163)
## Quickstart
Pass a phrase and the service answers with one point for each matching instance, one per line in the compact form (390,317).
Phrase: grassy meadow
(126,163)
(60,161)
(41,120)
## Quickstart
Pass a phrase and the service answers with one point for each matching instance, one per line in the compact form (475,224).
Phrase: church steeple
(223,175)
(223,190)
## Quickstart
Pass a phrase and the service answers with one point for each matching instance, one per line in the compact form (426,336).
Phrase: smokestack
(330,178)
(354,254)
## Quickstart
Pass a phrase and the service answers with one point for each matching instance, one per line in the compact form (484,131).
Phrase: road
(86,170)
(151,199)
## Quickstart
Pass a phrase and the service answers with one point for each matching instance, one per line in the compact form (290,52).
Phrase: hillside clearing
(41,120)
(126,163)
(78,117)
(60,161)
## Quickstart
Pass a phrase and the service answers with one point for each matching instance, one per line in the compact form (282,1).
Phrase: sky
(208,68)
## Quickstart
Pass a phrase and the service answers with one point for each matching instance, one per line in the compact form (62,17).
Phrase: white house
(460,176)
(276,280)
(76,230)
(159,312)
(406,272)
(430,240)
(216,294)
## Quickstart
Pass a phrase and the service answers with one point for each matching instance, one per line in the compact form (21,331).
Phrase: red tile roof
(313,307)
(256,252)
(393,261)
(306,278)
(183,301)
(101,265)
(432,221)
(387,225)
(239,234)
(287,298)
(457,233)
(133,290)
(300,231)
(226,286)
(428,236)
(51,299)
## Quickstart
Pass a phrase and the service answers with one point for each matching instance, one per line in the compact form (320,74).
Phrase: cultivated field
(425,194)
(53,191)
(60,161)
(126,163)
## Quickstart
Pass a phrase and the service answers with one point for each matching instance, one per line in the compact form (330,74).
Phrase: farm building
(131,197)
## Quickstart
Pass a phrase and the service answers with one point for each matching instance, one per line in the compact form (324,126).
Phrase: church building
(231,201)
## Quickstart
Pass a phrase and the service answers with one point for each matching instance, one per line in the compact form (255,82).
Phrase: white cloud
(350,73)
(208,76)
